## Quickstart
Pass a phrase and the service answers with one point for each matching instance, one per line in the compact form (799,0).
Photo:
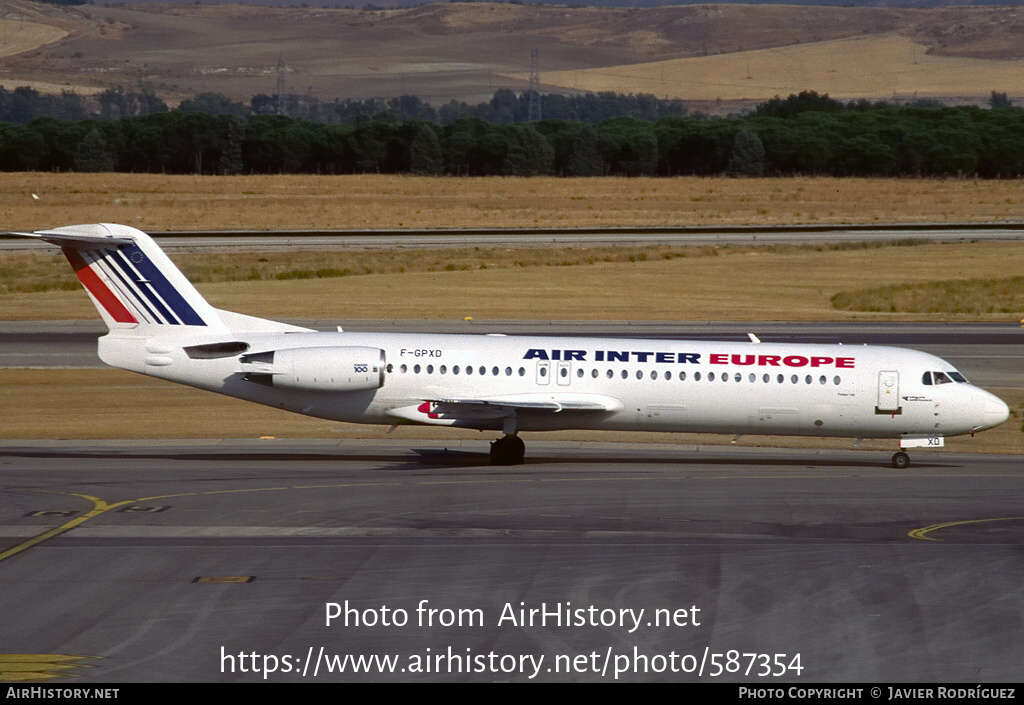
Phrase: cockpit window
(930,378)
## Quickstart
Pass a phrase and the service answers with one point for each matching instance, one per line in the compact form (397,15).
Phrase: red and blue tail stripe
(95,286)
(139,291)
(132,287)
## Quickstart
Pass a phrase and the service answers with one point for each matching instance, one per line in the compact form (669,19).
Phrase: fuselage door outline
(888,392)
(564,374)
(543,372)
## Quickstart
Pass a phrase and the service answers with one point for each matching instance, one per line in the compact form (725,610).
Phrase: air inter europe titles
(690,358)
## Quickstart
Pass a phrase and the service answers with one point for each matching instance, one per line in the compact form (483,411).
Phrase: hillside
(465,51)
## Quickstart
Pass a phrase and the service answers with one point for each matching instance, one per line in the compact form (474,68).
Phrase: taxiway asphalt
(193,560)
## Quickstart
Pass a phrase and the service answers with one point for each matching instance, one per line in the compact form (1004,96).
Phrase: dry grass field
(16,36)
(465,51)
(763,283)
(727,284)
(973,288)
(159,202)
(872,67)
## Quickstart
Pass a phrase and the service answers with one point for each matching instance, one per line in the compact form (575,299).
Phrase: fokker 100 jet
(159,325)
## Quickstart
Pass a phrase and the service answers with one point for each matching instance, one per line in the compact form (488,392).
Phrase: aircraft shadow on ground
(440,458)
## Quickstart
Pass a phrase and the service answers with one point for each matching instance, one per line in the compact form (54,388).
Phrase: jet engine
(326,369)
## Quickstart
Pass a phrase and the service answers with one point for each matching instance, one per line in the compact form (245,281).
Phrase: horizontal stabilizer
(72,235)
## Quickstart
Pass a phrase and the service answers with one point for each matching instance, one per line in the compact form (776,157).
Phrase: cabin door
(888,391)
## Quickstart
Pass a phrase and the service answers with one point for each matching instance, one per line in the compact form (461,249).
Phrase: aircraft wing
(442,410)
(554,403)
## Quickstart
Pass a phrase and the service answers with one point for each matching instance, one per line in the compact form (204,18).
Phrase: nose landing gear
(900,460)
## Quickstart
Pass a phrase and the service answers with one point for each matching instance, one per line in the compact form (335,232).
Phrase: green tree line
(24,104)
(798,135)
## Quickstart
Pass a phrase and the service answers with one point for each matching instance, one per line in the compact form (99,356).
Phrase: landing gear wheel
(508,450)
(901,460)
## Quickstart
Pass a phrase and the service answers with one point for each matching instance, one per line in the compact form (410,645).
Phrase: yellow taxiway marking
(35,667)
(923,532)
(99,506)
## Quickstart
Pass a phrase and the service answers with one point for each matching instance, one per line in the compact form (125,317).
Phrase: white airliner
(159,325)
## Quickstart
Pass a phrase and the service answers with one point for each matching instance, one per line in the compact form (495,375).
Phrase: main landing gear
(508,450)
(901,460)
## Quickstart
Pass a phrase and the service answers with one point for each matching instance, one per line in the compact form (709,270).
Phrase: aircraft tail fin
(130,280)
(137,289)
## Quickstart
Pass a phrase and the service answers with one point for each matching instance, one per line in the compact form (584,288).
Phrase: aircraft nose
(994,412)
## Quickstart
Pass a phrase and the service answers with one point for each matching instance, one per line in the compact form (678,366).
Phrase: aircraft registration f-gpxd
(159,325)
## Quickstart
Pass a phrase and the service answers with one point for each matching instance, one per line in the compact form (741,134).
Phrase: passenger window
(639,374)
(625,374)
(696,376)
(781,379)
(766,379)
(579,372)
(654,374)
(430,369)
(711,376)
(455,370)
(522,371)
(495,371)
(416,369)
(739,378)
(593,373)
(682,376)
(668,375)
(609,374)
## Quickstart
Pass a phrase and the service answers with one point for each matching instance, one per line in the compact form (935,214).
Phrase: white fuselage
(478,381)
(160,325)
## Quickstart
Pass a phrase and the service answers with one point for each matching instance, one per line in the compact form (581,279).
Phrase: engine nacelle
(326,369)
